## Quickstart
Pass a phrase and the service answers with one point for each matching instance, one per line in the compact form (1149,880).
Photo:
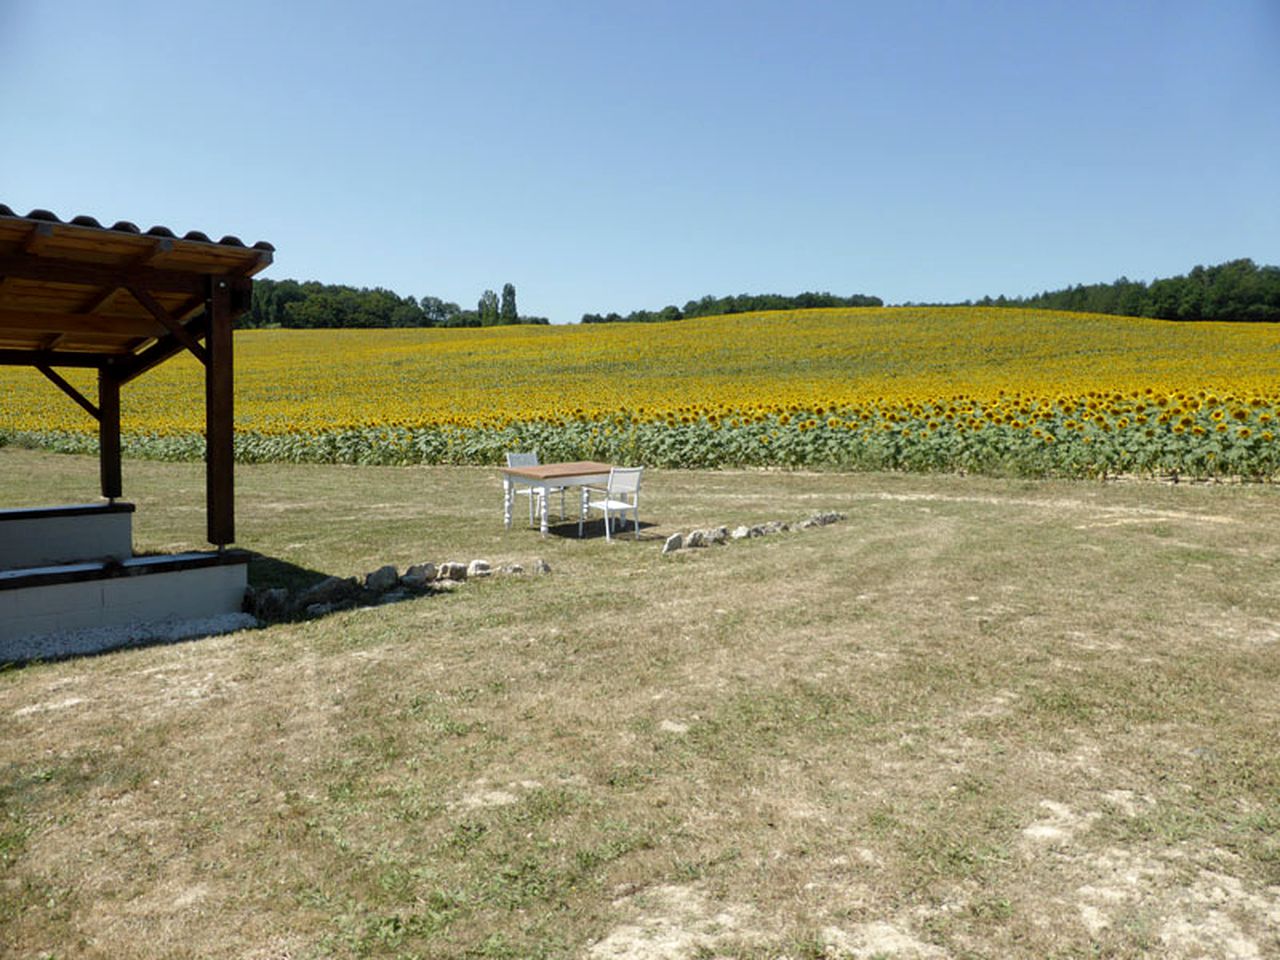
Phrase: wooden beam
(99,300)
(70,391)
(51,358)
(38,238)
(189,307)
(161,249)
(160,351)
(39,321)
(219,416)
(109,435)
(175,327)
(23,266)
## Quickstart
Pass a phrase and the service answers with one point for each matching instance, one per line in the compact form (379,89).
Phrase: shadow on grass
(594,530)
(266,573)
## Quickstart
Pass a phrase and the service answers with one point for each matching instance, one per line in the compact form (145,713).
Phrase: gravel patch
(73,643)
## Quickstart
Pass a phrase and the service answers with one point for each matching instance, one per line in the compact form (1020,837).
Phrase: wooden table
(547,477)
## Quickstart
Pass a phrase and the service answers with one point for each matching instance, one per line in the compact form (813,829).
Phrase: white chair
(622,494)
(525,486)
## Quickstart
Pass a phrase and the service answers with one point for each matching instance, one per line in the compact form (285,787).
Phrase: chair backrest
(625,480)
(522,459)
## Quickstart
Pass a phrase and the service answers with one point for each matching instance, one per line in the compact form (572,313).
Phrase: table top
(558,471)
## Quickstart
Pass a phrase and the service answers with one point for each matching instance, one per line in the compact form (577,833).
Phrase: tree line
(710,306)
(1238,290)
(311,304)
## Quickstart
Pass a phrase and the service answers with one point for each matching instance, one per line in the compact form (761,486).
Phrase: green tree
(488,308)
(507,312)
(439,313)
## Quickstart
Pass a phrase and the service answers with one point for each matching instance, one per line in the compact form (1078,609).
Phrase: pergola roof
(117,299)
(79,293)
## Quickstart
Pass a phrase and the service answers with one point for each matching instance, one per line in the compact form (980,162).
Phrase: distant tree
(1237,290)
(507,312)
(487,309)
(438,313)
(742,303)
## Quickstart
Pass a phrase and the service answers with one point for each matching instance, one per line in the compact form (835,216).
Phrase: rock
(756,531)
(774,526)
(419,575)
(511,569)
(741,533)
(821,520)
(328,591)
(394,596)
(271,604)
(718,535)
(696,538)
(318,609)
(674,543)
(479,568)
(382,579)
(541,567)
(452,571)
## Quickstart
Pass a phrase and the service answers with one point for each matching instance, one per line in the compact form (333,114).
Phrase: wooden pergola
(120,301)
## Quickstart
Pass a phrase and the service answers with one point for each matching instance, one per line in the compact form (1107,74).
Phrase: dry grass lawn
(978,718)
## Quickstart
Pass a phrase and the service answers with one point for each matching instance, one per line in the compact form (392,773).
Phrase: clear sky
(607,156)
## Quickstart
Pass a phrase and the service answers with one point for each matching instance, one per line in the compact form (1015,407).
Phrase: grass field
(979,718)
(988,390)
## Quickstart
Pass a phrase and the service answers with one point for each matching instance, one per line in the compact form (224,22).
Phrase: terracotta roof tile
(124,226)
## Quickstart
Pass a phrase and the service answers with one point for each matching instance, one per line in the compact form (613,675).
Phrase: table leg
(508,494)
(544,526)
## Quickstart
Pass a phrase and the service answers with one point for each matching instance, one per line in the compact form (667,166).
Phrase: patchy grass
(979,718)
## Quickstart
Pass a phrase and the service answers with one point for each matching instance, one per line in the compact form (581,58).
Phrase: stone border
(384,585)
(388,585)
(721,535)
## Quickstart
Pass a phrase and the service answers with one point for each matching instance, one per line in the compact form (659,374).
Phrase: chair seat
(607,504)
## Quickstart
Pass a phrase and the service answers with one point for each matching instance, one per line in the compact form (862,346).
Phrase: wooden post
(219,417)
(109,434)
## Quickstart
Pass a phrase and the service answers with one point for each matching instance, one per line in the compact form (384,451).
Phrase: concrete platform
(136,591)
(43,536)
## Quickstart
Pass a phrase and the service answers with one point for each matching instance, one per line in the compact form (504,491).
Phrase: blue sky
(613,156)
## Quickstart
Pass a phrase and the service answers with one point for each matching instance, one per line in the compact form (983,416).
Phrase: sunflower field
(1023,392)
